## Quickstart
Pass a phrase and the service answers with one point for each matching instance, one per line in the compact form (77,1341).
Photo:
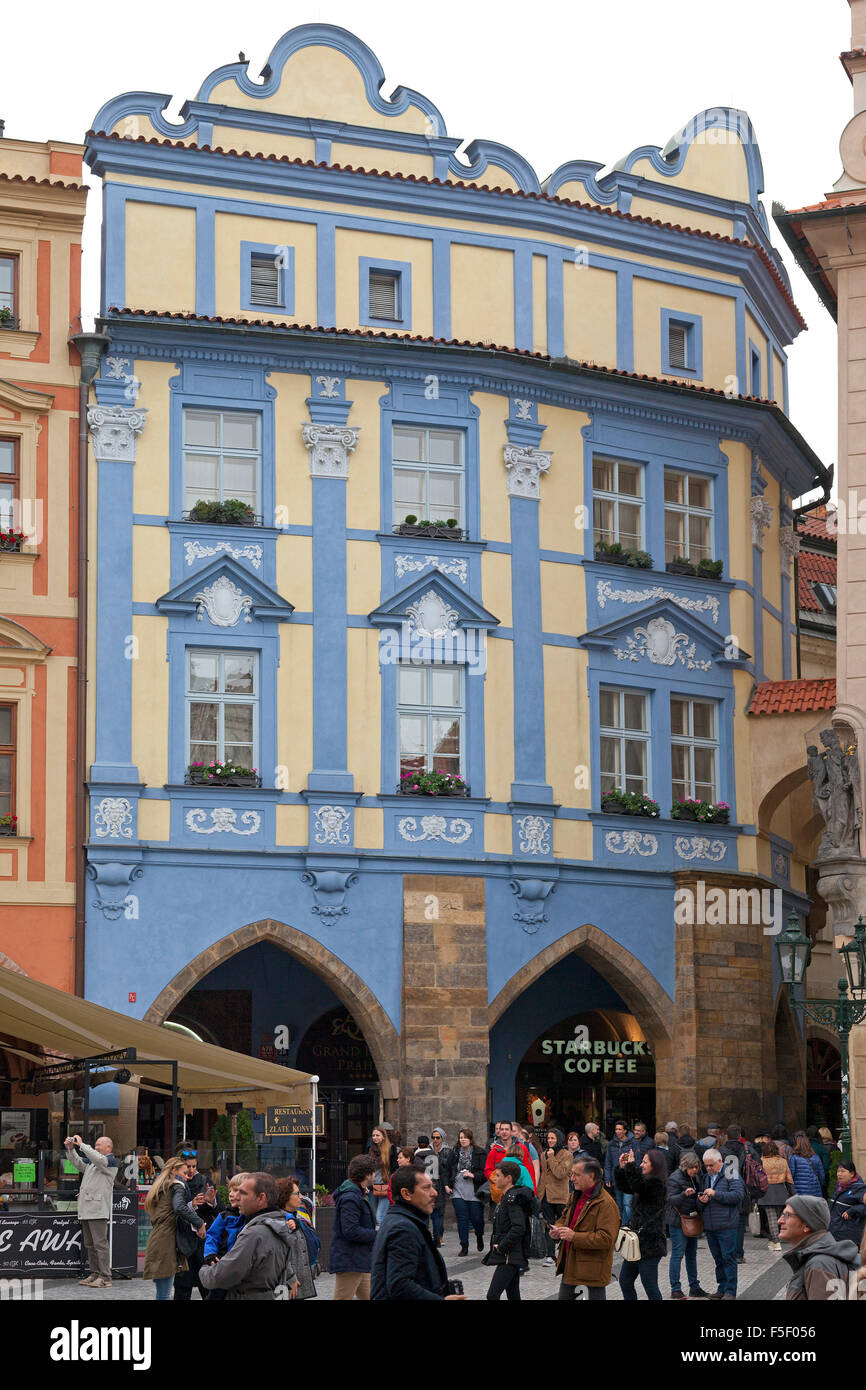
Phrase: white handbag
(755,1221)
(628,1244)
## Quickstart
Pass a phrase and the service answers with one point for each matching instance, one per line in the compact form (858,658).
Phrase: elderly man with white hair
(719,1203)
(100,1169)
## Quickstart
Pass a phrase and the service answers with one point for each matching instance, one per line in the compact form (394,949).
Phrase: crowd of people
(571,1201)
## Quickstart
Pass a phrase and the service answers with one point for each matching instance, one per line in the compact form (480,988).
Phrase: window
(694,749)
(8,290)
(688,516)
(430,712)
(221,456)
(755,369)
(222,707)
(384,295)
(7,760)
(428,474)
(384,292)
(826,593)
(8,481)
(624,741)
(267,277)
(617,502)
(682,343)
(265,280)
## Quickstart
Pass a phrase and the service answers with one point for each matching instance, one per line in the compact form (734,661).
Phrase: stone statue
(835,778)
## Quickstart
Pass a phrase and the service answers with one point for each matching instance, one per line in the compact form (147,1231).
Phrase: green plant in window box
(231,512)
(640,559)
(707,812)
(11,540)
(7,318)
(226,774)
(618,802)
(8,824)
(710,569)
(680,564)
(430,530)
(432,784)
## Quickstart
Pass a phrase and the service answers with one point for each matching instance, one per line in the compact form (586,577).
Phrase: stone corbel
(524,467)
(531,895)
(789,546)
(329,889)
(112,881)
(115,430)
(329,448)
(761,513)
(843,887)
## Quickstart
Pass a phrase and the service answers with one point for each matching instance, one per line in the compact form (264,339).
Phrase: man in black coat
(406,1262)
(512,1230)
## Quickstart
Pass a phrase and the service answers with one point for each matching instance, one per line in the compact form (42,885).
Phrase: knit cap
(813,1211)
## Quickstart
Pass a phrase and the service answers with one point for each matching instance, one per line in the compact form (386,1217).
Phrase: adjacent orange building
(42,200)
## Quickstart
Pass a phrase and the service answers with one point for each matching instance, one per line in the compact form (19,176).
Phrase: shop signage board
(23,1171)
(45,1243)
(290,1121)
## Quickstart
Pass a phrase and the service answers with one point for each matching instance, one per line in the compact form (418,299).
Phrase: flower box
(9,825)
(231,512)
(430,530)
(704,812)
(221,775)
(612,557)
(431,784)
(619,803)
(12,541)
(614,554)
(8,320)
(681,567)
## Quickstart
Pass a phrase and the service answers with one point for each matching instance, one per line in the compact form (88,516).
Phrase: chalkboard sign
(286,1121)
(45,1243)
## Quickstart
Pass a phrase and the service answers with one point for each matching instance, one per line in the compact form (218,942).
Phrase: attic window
(384,295)
(265,285)
(678,342)
(826,594)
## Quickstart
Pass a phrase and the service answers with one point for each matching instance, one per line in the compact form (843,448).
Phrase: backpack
(753,1175)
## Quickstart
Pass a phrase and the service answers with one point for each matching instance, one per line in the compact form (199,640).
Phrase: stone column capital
(329,447)
(524,467)
(115,430)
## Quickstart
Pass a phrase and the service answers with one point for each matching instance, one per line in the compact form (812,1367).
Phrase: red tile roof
(813,568)
(477,187)
(43,183)
(383,335)
(814,524)
(837,203)
(792,697)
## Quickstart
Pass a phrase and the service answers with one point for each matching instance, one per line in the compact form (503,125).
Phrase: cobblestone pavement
(763,1277)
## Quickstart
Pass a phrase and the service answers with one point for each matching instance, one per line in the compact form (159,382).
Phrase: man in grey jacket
(822,1266)
(100,1169)
(259,1265)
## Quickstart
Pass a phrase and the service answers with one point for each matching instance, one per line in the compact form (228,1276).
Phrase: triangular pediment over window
(665,635)
(225,593)
(432,605)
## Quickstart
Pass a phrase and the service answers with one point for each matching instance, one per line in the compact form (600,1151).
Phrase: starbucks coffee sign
(593,1056)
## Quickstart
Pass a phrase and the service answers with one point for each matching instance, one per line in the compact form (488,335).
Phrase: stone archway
(380,1033)
(651,1006)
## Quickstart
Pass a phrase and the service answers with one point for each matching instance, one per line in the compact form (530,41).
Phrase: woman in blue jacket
(354,1234)
(807,1170)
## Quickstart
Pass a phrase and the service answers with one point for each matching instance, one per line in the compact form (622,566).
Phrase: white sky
(555,81)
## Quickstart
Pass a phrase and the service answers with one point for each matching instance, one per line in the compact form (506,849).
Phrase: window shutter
(383,295)
(677,344)
(264,280)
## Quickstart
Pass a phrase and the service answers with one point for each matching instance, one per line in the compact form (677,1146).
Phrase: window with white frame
(431,714)
(222,699)
(624,741)
(221,456)
(694,749)
(428,474)
(617,502)
(688,516)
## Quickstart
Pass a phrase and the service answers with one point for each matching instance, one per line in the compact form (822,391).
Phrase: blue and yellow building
(323,314)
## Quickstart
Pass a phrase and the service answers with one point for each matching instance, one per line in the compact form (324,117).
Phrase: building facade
(407,465)
(42,203)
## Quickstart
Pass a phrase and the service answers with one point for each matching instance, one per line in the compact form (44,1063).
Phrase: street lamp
(794,951)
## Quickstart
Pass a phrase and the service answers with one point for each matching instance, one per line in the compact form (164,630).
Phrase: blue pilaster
(530,782)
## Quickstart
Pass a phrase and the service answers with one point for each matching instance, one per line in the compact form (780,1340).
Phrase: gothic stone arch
(651,1006)
(380,1033)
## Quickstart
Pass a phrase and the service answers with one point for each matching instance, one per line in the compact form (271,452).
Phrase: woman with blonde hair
(383,1155)
(173,1221)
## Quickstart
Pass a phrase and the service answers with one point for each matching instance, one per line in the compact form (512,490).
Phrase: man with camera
(406,1260)
(100,1169)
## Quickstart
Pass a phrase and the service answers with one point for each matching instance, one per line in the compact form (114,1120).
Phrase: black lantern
(853,954)
(794,952)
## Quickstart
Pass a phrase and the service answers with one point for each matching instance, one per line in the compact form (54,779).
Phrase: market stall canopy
(209,1077)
